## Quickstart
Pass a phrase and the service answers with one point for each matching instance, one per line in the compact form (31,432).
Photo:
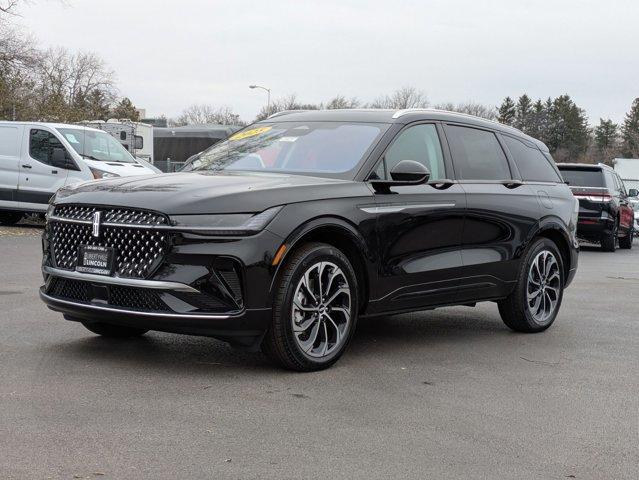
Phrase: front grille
(124,297)
(138,251)
(111,215)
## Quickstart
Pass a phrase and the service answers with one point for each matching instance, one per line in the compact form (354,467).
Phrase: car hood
(209,192)
(123,169)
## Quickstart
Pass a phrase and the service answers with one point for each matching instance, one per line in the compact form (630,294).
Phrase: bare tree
(201,114)
(340,101)
(470,108)
(405,97)
(67,81)
(8,6)
(285,103)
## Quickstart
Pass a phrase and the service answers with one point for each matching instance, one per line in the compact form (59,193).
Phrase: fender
(308,227)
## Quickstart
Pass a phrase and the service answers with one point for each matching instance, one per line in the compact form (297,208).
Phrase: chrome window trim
(128,282)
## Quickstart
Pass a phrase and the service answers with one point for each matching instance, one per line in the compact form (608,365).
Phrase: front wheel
(113,331)
(533,305)
(314,309)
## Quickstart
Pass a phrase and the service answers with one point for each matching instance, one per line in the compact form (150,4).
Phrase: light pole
(268,101)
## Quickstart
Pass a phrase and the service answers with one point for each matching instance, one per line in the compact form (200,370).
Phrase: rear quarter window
(532,164)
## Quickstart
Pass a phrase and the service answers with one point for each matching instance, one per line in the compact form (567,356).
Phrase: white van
(36,159)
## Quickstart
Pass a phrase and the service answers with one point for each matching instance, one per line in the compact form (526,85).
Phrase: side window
(610,181)
(419,143)
(477,154)
(42,144)
(532,164)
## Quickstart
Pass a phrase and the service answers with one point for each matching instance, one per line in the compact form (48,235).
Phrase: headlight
(97,174)
(49,210)
(226,224)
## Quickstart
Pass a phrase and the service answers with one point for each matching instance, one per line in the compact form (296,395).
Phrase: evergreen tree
(606,137)
(523,112)
(538,125)
(125,109)
(506,113)
(568,134)
(630,131)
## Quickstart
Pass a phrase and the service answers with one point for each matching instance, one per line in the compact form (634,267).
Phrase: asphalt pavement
(445,394)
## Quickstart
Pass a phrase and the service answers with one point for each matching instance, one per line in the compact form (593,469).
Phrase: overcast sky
(170,54)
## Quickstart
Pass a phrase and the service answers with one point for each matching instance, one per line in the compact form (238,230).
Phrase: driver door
(419,227)
(38,179)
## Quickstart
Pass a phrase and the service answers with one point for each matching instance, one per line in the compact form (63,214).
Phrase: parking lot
(450,393)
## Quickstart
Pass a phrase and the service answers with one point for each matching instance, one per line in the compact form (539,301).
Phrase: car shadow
(203,355)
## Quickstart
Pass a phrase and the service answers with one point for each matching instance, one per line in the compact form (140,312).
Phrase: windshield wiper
(91,157)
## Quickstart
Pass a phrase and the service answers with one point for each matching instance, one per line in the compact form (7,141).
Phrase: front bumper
(245,327)
(191,292)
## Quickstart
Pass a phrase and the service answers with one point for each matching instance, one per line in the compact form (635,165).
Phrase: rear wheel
(314,310)
(609,240)
(10,218)
(533,305)
(113,331)
(626,242)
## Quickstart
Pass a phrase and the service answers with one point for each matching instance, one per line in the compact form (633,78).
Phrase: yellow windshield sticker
(249,133)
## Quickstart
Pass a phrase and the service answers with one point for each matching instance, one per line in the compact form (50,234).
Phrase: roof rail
(286,112)
(407,111)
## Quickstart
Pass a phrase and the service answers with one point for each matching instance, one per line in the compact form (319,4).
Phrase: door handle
(512,183)
(55,172)
(441,183)
(26,166)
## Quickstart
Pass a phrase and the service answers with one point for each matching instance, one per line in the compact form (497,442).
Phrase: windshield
(96,145)
(330,148)
(583,177)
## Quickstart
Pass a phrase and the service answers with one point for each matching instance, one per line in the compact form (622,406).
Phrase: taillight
(594,196)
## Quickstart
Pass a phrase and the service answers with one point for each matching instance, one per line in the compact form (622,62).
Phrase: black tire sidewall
(314,256)
(539,246)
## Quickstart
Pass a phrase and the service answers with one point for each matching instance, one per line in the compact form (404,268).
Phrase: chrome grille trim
(129,282)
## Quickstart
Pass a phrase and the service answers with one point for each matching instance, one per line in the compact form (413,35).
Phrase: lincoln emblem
(96,224)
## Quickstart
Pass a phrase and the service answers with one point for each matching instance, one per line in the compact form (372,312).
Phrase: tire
(626,242)
(609,240)
(113,331)
(323,330)
(10,218)
(517,312)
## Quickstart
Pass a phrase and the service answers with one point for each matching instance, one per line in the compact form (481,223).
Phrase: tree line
(563,127)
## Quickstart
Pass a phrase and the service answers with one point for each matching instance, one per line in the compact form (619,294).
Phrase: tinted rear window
(583,178)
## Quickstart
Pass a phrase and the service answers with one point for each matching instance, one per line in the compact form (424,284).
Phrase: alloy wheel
(544,287)
(321,312)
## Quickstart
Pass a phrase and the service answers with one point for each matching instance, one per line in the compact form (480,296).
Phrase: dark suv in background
(293,229)
(605,213)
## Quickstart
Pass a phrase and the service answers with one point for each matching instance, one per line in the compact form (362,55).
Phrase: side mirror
(633,192)
(59,159)
(406,172)
(138,142)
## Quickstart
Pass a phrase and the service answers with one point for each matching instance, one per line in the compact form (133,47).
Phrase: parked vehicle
(36,159)
(297,227)
(605,213)
(136,137)
(175,145)
(628,171)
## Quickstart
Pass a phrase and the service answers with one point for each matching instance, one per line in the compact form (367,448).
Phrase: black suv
(605,213)
(295,228)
